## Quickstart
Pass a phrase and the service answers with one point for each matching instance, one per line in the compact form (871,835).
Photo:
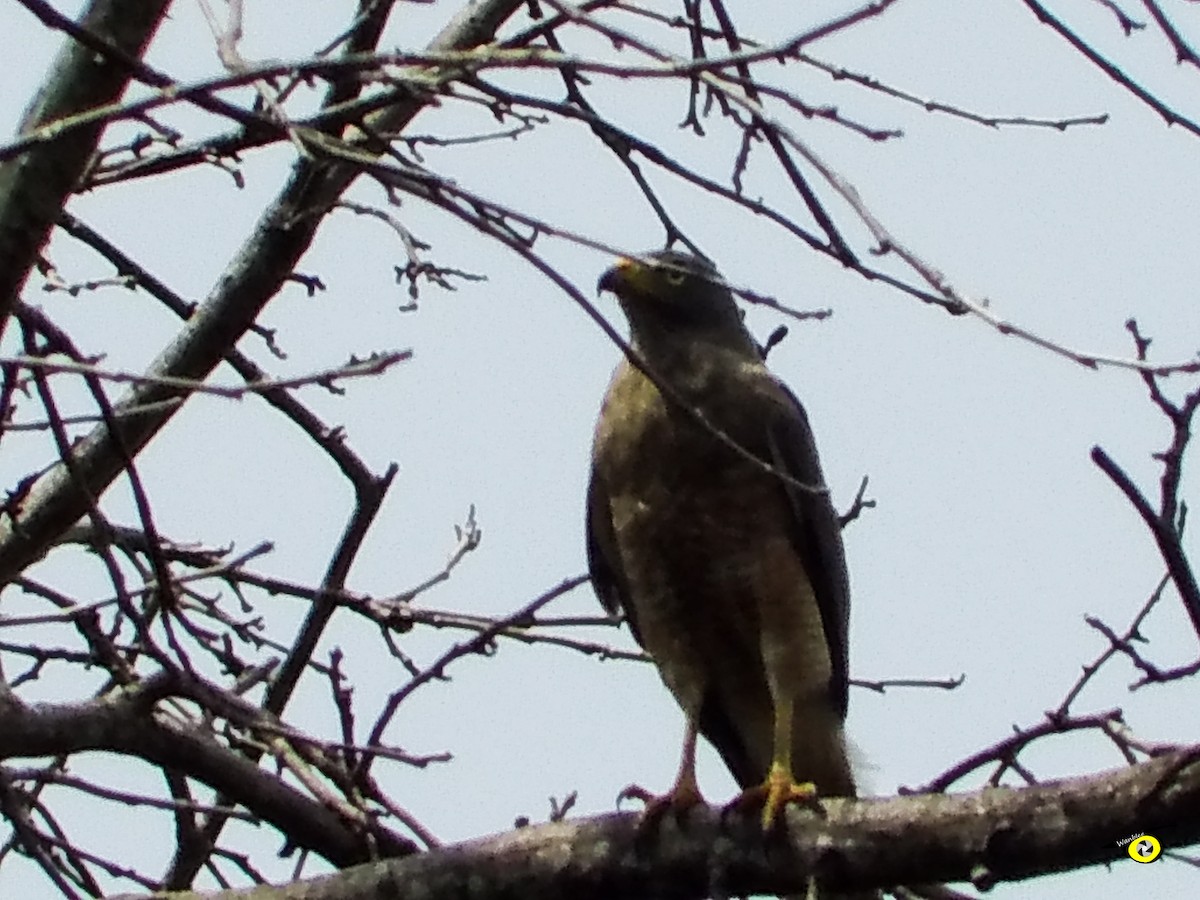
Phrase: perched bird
(709,526)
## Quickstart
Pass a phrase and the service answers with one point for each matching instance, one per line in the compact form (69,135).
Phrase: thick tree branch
(35,186)
(992,836)
(127,722)
(253,277)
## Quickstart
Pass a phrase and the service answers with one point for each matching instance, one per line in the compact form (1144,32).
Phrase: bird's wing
(816,535)
(604,563)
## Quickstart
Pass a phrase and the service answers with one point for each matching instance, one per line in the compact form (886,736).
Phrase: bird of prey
(710,528)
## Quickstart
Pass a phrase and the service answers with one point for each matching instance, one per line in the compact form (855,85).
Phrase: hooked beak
(616,279)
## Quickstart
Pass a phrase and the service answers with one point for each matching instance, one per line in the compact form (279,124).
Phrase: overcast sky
(993,534)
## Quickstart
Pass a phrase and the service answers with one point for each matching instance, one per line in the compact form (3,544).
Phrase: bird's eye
(675,278)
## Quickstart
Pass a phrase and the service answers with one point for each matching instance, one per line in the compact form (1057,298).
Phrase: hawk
(709,527)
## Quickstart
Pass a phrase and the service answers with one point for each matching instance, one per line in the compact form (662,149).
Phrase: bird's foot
(678,801)
(774,794)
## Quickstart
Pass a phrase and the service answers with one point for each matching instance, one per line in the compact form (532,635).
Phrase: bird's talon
(774,794)
(636,792)
(677,802)
(793,792)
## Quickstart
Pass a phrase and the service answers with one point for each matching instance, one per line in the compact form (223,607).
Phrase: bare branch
(35,187)
(989,837)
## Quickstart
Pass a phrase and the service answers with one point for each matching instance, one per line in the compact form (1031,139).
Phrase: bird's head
(672,292)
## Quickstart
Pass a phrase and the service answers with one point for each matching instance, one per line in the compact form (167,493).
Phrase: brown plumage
(731,577)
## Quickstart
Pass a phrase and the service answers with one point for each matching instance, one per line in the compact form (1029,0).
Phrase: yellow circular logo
(1144,849)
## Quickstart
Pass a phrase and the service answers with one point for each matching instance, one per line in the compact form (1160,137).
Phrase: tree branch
(283,233)
(35,186)
(991,836)
(127,722)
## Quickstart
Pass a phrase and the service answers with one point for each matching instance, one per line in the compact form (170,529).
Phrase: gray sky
(993,536)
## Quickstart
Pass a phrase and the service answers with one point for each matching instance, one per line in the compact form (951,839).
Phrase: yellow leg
(683,795)
(780,787)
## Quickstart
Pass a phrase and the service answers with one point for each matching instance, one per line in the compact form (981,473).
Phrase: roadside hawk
(724,553)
